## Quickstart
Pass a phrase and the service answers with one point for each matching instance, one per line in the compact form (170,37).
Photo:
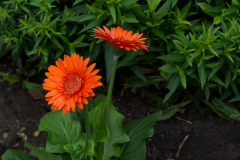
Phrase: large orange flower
(120,38)
(70,83)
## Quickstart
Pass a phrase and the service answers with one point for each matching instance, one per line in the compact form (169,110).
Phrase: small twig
(184,120)
(180,147)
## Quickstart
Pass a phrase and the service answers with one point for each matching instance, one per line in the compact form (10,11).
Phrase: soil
(210,137)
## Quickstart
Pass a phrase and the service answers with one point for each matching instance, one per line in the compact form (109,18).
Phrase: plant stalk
(110,88)
(87,123)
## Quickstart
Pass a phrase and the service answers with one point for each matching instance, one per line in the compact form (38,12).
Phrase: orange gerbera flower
(70,83)
(120,38)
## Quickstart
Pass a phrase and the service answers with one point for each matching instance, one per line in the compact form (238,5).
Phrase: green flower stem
(87,123)
(110,87)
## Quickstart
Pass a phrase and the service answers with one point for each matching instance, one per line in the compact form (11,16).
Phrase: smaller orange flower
(70,83)
(120,38)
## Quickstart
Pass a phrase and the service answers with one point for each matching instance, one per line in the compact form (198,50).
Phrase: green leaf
(170,111)
(173,57)
(228,78)
(213,51)
(9,78)
(77,41)
(95,22)
(125,3)
(217,20)
(97,120)
(172,85)
(183,80)
(168,68)
(230,10)
(217,111)
(41,154)
(159,33)
(137,131)
(135,82)
(128,58)
(197,53)
(165,7)
(112,9)
(216,68)
(55,41)
(202,75)
(228,109)
(12,154)
(32,85)
(81,149)
(138,72)
(184,11)
(76,2)
(60,128)
(114,125)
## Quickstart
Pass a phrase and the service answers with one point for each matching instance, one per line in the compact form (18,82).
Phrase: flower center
(72,83)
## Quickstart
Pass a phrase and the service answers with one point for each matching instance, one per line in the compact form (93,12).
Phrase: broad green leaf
(101,132)
(59,128)
(138,72)
(137,131)
(135,82)
(81,149)
(9,78)
(41,154)
(12,154)
(112,9)
(202,75)
(117,135)
(173,57)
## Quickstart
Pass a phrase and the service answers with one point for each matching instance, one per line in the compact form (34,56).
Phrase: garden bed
(210,137)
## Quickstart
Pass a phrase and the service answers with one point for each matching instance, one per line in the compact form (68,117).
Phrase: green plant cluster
(192,45)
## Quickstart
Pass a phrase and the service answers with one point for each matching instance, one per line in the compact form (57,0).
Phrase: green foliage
(11,154)
(9,78)
(110,140)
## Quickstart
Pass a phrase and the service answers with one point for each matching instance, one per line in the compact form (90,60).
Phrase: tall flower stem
(87,123)
(110,87)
